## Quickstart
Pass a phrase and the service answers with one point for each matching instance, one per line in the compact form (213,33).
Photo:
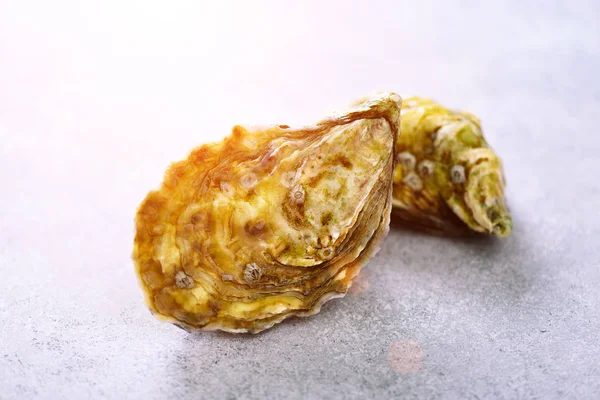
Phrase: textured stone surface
(97,100)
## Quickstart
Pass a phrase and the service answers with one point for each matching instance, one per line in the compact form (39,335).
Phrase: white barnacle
(426,168)
(317,158)
(287,179)
(413,181)
(457,174)
(226,277)
(408,160)
(183,281)
(325,253)
(249,180)
(252,273)
(226,188)
(297,195)
(311,168)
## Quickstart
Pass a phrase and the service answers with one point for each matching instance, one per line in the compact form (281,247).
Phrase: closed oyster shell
(448,179)
(270,223)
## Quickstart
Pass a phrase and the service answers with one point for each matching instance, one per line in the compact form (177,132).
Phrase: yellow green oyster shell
(448,179)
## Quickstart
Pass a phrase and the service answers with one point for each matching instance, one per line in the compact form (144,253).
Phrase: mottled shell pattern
(268,223)
(448,179)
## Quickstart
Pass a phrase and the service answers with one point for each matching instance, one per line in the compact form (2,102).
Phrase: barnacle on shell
(448,179)
(268,223)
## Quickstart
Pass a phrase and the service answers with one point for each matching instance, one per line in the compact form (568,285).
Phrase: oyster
(269,223)
(448,179)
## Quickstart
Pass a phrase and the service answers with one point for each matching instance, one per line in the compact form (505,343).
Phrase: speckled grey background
(96,100)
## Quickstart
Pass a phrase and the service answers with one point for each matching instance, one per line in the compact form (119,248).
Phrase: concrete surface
(97,99)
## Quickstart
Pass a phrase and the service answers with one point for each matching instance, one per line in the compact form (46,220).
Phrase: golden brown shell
(269,223)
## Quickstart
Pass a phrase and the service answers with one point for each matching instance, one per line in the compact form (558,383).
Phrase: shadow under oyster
(448,179)
(270,223)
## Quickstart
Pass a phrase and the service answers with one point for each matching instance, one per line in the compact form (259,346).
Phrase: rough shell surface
(269,223)
(448,179)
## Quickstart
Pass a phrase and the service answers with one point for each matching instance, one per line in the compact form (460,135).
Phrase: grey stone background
(97,98)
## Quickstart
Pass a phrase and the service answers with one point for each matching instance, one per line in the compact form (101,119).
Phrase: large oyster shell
(448,179)
(269,223)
